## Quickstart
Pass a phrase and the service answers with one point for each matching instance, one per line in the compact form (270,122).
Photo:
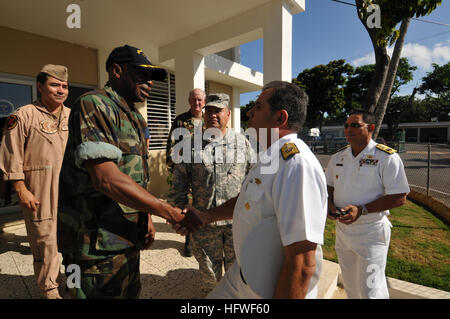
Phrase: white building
(183,36)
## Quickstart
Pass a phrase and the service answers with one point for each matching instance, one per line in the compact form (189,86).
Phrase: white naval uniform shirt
(294,191)
(362,179)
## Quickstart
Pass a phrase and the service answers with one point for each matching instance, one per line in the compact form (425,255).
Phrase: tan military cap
(219,100)
(57,71)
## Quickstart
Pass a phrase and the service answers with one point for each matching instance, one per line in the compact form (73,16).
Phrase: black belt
(242,276)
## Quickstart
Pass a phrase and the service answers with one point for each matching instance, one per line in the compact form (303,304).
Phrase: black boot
(188,246)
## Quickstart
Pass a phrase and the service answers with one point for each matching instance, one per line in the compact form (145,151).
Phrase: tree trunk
(392,72)
(381,66)
(321,121)
(411,98)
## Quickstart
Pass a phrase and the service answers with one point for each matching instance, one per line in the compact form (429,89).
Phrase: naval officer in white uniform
(288,185)
(366,179)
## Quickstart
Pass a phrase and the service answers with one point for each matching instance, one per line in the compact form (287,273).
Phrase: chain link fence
(427,168)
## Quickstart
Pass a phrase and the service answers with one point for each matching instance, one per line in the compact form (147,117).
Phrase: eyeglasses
(354,125)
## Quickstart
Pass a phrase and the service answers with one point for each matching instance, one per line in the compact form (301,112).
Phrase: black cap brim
(157,73)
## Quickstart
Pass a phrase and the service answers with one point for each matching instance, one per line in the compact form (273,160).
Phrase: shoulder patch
(12,122)
(386,149)
(343,148)
(288,150)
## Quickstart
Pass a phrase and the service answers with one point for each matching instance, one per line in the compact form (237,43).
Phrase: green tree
(387,15)
(324,85)
(436,108)
(437,81)
(398,107)
(436,86)
(358,84)
(244,117)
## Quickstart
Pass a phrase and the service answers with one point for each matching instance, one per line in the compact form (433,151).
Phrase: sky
(328,31)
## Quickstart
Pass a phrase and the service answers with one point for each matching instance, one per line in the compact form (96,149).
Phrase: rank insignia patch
(386,149)
(247,206)
(12,122)
(49,126)
(288,150)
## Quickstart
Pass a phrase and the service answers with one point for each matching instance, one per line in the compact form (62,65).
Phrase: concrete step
(399,289)
(339,293)
(328,279)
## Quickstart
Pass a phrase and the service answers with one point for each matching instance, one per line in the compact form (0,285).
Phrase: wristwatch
(364,210)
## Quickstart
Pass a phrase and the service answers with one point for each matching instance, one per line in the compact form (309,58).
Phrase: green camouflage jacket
(215,172)
(90,224)
(185,120)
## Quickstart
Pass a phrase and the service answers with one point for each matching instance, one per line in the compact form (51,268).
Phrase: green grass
(419,251)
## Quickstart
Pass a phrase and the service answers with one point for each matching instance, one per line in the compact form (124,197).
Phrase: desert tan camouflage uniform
(32,150)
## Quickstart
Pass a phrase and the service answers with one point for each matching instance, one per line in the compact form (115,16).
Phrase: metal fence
(427,168)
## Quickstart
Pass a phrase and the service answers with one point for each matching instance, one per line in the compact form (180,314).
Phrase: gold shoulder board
(288,150)
(386,149)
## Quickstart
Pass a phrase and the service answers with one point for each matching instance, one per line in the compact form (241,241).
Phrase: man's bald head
(197,102)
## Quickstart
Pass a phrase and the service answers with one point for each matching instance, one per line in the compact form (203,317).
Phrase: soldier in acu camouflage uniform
(102,219)
(215,174)
(191,120)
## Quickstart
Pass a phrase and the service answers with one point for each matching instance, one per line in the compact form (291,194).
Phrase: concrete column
(236,109)
(189,74)
(278,43)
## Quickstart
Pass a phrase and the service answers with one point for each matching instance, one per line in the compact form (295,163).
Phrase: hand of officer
(193,221)
(27,200)
(331,210)
(353,214)
(150,236)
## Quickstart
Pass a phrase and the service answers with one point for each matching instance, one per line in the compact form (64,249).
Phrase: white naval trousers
(233,287)
(362,252)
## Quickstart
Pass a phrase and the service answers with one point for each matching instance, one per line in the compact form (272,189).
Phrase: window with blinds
(161,112)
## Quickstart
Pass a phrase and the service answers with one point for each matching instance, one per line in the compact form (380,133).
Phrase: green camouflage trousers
(213,248)
(117,277)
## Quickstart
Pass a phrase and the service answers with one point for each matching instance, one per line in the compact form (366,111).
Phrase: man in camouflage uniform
(215,174)
(192,120)
(102,219)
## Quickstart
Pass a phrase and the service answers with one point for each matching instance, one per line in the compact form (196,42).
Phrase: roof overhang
(109,23)
(158,27)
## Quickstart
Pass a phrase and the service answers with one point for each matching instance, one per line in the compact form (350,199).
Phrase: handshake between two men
(193,219)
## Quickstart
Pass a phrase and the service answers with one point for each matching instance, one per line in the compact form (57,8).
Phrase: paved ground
(165,273)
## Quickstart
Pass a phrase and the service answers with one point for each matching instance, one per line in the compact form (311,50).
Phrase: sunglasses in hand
(338,212)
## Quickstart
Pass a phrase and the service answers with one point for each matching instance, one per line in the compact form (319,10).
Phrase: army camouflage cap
(220,100)
(59,72)
(137,58)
